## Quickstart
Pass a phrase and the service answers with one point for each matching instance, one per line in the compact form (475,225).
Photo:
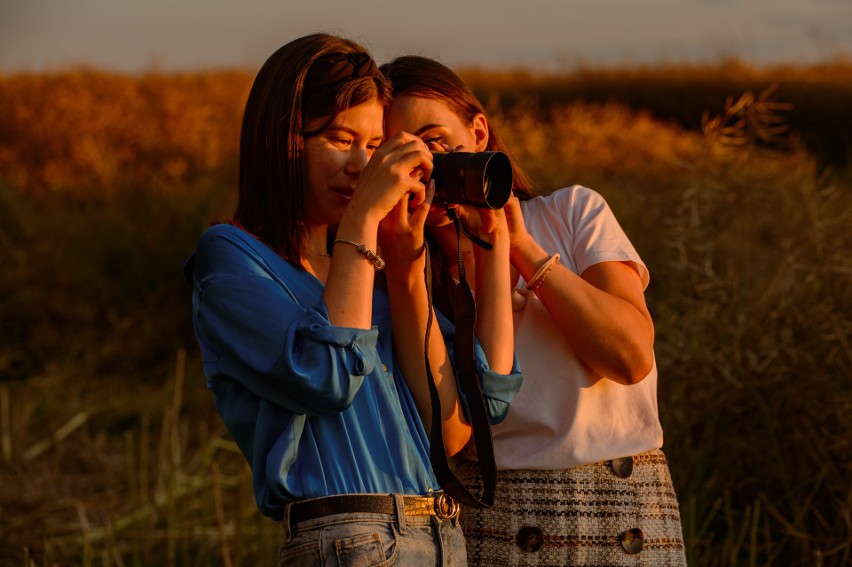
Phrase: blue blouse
(316,409)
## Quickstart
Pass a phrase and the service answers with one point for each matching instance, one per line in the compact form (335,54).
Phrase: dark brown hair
(422,77)
(287,94)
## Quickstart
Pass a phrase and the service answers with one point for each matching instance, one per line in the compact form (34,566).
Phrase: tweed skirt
(597,514)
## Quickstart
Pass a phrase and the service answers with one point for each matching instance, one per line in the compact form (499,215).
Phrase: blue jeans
(373,540)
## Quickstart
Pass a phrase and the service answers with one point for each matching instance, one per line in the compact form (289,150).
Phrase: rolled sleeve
(252,329)
(498,390)
(359,346)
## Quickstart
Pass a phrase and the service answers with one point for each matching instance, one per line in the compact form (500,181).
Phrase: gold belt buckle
(446,507)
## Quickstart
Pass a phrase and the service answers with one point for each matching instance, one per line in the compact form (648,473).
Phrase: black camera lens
(482,179)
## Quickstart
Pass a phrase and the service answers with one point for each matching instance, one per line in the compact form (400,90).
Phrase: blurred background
(43,35)
(720,132)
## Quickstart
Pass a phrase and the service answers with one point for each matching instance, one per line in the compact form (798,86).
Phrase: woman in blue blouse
(319,374)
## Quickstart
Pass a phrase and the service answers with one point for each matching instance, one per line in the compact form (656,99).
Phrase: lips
(344,191)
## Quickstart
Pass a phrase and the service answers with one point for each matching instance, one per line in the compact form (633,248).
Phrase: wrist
(370,255)
(361,213)
(499,252)
(400,270)
(542,273)
(358,228)
(526,255)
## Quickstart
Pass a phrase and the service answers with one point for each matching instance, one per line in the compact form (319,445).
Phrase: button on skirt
(620,512)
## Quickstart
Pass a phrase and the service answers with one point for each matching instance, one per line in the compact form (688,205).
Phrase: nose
(356,161)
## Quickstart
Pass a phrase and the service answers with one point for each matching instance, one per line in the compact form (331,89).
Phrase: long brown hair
(311,77)
(422,77)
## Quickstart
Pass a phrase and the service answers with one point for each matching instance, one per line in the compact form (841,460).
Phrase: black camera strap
(473,238)
(464,310)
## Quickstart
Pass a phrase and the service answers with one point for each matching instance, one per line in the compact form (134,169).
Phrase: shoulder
(579,220)
(222,237)
(569,206)
(567,198)
(222,232)
(226,248)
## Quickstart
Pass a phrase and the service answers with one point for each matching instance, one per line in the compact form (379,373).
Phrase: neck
(316,242)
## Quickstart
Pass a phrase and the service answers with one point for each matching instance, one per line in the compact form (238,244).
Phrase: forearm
(348,294)
(602,315)
(494,327)
(409,316)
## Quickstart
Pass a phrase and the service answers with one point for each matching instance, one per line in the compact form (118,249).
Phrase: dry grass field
(734,183)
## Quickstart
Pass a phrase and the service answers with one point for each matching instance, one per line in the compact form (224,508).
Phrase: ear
(479,125)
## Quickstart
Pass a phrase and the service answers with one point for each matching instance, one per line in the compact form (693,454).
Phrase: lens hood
(482,179)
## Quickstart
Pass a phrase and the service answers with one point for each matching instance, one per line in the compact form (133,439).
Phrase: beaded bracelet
(376,260)
(541,274)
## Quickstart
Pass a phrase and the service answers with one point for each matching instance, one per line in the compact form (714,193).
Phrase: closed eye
(343,142)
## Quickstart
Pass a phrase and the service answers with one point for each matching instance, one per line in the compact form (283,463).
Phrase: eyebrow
(426,128)
(350,131)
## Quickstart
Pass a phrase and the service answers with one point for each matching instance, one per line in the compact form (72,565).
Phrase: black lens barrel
(482,179)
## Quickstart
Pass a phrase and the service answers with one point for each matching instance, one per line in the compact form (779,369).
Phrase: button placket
(632,540)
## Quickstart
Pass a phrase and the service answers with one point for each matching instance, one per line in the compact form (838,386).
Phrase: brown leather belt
(441,505)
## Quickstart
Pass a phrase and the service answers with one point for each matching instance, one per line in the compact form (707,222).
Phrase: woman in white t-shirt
(581,477)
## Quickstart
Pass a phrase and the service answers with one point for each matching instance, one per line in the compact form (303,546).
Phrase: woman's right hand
(396,171)
(522,243)
(515,219)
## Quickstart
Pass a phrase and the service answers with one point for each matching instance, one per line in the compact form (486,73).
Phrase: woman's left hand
(401,232)
(488,224)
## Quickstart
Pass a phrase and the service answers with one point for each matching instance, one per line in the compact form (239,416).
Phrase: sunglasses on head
(335,67)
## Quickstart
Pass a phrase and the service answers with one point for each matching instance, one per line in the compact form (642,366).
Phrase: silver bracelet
(374,259)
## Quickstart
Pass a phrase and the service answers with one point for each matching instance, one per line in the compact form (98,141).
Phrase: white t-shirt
(564,415)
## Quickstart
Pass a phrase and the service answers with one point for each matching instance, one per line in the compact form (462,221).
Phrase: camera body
(482,179)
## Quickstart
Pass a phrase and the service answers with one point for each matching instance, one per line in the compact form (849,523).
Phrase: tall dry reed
(111,452)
